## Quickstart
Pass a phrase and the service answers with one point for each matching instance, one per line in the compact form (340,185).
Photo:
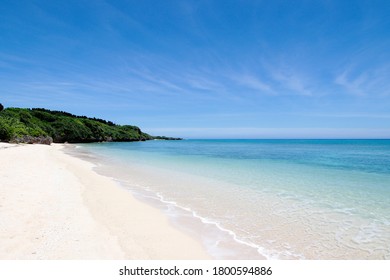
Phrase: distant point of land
(38,125)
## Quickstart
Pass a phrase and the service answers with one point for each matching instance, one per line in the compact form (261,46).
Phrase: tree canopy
(17,124)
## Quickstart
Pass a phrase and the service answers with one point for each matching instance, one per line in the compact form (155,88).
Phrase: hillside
(44,126)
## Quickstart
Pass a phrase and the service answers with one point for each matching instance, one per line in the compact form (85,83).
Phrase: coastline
(275,208)
(54,206)
(141,179)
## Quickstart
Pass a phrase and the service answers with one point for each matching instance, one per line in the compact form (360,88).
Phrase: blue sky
(204,69)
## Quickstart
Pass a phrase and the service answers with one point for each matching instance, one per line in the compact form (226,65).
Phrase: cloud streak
(367,82)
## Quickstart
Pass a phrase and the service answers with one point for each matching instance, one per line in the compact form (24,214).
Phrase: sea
(262,199)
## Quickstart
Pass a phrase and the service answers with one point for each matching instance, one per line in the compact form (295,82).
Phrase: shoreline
(55,206)
(274,210)
(220,242)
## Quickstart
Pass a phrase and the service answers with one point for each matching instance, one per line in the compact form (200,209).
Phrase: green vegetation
(1,107)
(33,125)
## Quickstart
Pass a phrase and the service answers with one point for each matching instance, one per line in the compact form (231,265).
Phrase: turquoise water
(284,199)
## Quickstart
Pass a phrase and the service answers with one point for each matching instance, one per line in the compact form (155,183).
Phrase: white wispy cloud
(284,75)
(291,80)
(252,82)
(353,85)
(365,81)
(151,72)
(156,79)
(199,81)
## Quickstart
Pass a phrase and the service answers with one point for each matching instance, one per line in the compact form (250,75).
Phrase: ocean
(263,199)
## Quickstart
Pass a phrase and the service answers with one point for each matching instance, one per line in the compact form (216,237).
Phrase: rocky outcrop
(45,140)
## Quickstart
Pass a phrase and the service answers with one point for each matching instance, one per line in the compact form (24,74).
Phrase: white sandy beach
(54,206)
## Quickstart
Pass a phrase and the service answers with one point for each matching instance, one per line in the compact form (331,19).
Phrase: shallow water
(274,199)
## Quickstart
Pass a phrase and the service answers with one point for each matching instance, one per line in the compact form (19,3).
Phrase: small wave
(266,253)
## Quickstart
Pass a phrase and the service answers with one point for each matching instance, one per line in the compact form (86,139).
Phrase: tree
(1,107)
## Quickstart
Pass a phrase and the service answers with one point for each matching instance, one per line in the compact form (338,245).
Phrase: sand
(54,206)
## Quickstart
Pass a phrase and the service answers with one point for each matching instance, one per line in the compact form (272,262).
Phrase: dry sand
(54,206)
